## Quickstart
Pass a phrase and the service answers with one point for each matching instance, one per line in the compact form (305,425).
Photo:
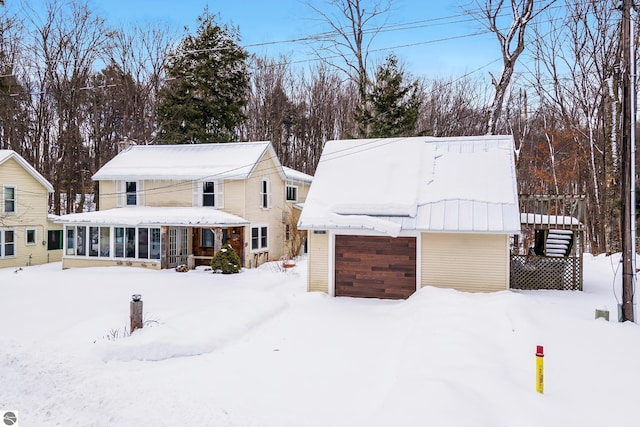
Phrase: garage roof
(460,184)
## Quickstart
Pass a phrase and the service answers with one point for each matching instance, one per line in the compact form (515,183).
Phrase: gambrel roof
(10,154)
(461,184)
(231,160)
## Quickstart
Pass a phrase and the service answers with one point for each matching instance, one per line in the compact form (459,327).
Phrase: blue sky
(440,45)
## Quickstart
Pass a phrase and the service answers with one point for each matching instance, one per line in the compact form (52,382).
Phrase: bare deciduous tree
(452,107)
(69,41)
(354,25)
(512,44)
(577,84)
(13,111)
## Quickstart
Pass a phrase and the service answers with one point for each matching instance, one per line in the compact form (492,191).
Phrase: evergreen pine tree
(392,105)
(226,260)
(207,86)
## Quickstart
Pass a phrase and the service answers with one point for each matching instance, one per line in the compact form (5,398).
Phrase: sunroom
(152,237)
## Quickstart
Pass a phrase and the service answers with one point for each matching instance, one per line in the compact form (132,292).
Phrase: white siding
(31,213)
(466,262)
(318,262)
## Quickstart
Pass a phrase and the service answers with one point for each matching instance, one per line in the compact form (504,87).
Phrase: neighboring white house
(164,205)
(388,216)
(27,234)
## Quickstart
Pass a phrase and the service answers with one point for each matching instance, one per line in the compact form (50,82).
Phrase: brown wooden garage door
(375,267)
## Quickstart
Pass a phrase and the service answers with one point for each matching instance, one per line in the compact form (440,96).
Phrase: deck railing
(532,272)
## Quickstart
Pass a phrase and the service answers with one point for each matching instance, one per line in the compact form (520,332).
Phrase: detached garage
(389,216)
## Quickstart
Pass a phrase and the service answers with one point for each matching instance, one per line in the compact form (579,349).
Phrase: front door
(178,246)
(233,235)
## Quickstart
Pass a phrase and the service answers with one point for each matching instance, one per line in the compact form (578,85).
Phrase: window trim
(213,193)
(13,200)
(286,192)
(265,193)
(260,237)
(3,242)
(26,236)
(199,193)
(60,239)
(134,193)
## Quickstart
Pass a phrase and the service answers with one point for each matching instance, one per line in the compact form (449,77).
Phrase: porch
(149,237)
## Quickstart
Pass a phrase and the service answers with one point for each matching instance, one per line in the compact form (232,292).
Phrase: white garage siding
(318,262)
(466,262)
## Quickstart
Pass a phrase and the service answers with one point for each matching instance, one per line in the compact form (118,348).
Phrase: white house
(161,204)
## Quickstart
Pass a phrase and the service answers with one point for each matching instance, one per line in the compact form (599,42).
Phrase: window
(54,240)
(7,243)
(264,242)
(128,242)
(208,193)
(125,242)
(155,244)
(9,200)
(93,241)
(287,232)
(292,193)
(143,243)
(130,234)
(31,236)
(81,234)
(206,238)
(148,243)
(131,193)
(71,240)
(259,238)
(118,233)
(105,241)
(265,194)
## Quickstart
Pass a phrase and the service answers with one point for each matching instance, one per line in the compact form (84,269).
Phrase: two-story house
(27,234)
(160,206)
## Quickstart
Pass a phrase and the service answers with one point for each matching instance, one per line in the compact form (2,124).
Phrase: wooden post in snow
(136,312)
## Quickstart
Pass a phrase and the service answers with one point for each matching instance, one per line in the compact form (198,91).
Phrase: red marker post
(540,369)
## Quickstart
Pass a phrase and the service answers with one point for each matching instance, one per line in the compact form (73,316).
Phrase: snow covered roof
(155,216)
(539,219)
(187,161)
(10,154)
(294,175)
(461,184)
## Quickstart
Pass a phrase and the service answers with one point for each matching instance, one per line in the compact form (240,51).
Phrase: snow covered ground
(255,349)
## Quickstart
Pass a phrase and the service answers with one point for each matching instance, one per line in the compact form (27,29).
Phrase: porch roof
(155,216)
